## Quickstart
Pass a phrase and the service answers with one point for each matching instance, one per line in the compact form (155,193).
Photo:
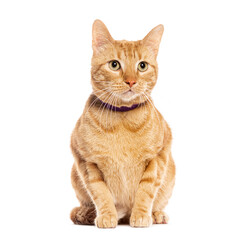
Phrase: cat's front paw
(140,220)
(106,221)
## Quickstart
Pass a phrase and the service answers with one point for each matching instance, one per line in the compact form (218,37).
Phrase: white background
(45,53)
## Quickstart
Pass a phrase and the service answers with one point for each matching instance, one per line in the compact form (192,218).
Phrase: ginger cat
(123,169)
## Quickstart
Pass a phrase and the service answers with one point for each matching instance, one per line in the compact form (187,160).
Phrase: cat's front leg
(101,196)
(141,213)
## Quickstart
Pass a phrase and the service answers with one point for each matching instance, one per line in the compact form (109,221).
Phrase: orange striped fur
(123,169)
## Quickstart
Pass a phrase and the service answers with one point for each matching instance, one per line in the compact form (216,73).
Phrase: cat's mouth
(129,92)
(129,95)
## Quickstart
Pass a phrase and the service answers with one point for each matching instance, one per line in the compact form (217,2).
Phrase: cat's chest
(126,146)
(122,180)
(126,157)
(125,137)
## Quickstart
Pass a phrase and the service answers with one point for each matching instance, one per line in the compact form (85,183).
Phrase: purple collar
(120,109)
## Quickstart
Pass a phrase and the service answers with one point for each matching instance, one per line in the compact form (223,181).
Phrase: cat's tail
(83,215)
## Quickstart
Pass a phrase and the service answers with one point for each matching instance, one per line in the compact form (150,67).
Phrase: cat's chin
(129,98)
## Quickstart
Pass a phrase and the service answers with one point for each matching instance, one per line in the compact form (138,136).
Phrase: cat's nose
(130,82)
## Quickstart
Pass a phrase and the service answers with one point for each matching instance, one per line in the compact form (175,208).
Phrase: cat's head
(124,72)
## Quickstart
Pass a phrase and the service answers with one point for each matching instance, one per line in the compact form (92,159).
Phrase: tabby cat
(123,170)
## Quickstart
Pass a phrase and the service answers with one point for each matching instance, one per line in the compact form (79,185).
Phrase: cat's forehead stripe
(128,50)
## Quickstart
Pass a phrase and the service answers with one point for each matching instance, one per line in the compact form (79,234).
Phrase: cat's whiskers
(111,103)
(101,90)
(105,104)
(140,100)
(114,102)
(154,108)
(144,101)
(95,100)
(110,108)
(102,104)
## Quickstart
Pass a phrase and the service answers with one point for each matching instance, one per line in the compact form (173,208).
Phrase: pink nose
(130,82)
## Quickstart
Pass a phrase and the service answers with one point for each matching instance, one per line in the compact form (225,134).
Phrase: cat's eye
(142,66)
(114,65)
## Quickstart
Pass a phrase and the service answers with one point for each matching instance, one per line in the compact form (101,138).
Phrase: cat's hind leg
(160,217)
(163,195)
(86,213)
(160,202)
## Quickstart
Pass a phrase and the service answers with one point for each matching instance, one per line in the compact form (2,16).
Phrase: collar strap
(120,109)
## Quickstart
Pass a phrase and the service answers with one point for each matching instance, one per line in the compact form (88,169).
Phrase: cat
(123,170)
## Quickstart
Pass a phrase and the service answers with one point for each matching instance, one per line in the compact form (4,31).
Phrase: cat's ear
(153,39)
(100,36)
